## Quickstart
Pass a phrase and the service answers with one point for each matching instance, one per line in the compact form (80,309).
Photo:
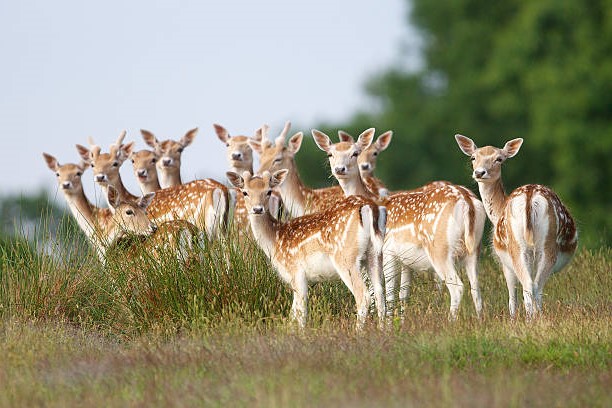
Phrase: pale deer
(435,227)
(170,152)
(367,161)
(534,234)
(144,163)
(202,202)
(327,244)
(296,197)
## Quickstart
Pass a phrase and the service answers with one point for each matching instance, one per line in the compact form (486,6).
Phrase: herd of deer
(350,230)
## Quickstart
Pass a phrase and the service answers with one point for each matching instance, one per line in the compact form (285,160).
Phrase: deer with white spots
(239,155)
(331,243)
(202,202)
(367,161)
(169,152)
(534,234)
(296,197)
(437,227)
(104,226)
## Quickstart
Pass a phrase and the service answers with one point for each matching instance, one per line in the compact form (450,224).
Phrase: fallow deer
(367,161)
(144,163)
(170,152)
(240,158)
(534,234)
(202,202)
(296,197)
(327,244)
(157,240)
(435,227)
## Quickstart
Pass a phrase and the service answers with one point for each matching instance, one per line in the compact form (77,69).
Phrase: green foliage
(495,71)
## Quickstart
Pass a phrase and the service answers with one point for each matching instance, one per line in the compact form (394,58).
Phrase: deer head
(487,161)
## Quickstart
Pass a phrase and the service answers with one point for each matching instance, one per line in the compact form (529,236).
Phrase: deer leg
(375,263)
(299,308)
(404,292)
(445,268)
(471,268)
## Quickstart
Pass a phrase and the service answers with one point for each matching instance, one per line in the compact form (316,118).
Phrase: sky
(73,69)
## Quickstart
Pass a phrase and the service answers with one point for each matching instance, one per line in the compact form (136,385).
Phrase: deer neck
(494,198)
(264,229)
(149,186)
(354,186)
(83,211)
(169,177)
(242,168)
(294,193)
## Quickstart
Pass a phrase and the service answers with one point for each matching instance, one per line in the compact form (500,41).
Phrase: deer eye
(129,212)
(92,165)
(329,155)
(244,193)
(79,174)
(355,154)
(473,158)
(375,154)
(269,193)
(180,150)
(153,160)
(57,174)
(133,161)
(499,160)
(115,164)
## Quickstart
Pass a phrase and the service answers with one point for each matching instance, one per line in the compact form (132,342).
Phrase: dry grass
(75,333)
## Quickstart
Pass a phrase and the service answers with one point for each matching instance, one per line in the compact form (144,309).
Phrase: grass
(213,331)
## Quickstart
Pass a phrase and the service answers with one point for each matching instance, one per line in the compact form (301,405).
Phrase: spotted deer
(104,226)
(144,163)
(240,158)
(296,197)
(534,234)
(202,202)
(331,243)
(130,222)
(169,152)
(367,161)
(435,227)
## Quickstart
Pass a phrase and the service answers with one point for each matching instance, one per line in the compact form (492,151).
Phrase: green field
(214,332)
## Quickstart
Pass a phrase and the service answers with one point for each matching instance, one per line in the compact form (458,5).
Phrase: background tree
(495,71)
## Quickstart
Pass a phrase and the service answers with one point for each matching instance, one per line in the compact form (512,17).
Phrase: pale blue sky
(72,69)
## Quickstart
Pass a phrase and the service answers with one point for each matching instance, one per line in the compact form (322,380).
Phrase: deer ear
(85,153)
(145,200)
(365,139)
(125,151)
(51,161)
(322,140)
(235,179)
(512,147)
(383,140)
(149,138)
(112,195)
(188,138)
(295,142)
(345,137)
(83,165)
(466,144)
(278,177)
(222,133)
(255,145)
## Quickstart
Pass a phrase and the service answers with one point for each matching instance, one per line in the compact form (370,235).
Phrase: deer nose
(66,185)
(479,173)
(365,166)
(340,170)
(100,177)
(236,156)
(167,162)
(142,173)
(258,209)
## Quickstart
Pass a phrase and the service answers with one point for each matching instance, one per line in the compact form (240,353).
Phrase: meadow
(213,330)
